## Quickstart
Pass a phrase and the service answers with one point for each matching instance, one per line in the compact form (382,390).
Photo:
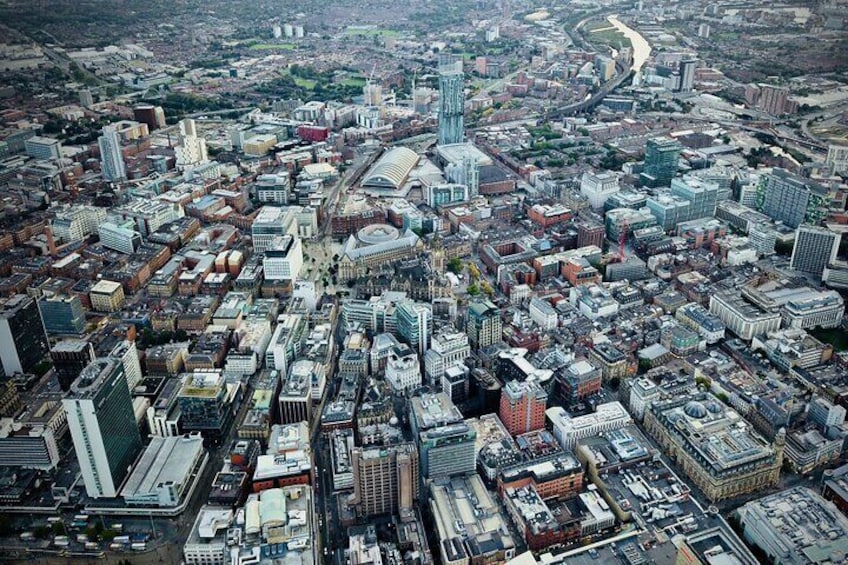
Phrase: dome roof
(695,409)
(713,407)
(377,233)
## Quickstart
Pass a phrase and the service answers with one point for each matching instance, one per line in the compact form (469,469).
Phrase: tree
(473,290)
(455,265)
(487,288)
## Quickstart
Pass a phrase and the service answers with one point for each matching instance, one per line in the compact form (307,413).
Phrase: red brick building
(523,406)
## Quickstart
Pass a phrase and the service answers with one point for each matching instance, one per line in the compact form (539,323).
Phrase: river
(641,49)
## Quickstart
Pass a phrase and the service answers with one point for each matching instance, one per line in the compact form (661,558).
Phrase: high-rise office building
(815,248)
(203,403)
(46,148)
(191,150)
(69,358)
(62,315)
(385,479)
(414,322)
(23,342)
(111,158)
(661,161)
(523,405)
(127,353)
(153,116)
(702,196)
(283,258)
(483,325)
(445,440)
(791,199)
(451,101)
(270,222)
(687,75)
(103,427)
(122,238)
(597,187)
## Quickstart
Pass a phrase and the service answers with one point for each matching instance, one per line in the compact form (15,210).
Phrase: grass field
(272,46)
(354,81)
(591,27)
(371,31)
(304,83)
(611,37)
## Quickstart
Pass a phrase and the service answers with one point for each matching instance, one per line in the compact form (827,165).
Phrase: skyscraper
(23,342)
(103,427)
(790,199)
(112,161)
(815,248)
(661,157)
(451,101)
(687,75)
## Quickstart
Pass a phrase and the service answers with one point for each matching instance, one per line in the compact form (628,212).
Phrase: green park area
(353,81)
(609,36)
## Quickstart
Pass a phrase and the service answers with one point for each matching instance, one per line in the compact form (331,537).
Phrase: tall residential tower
(451,101)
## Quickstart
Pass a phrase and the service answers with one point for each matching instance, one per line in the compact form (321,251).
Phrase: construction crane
(371,76)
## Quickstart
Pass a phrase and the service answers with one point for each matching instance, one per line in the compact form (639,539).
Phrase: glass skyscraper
(451,102)
(62,315)
(103,427)
(111,159)
(661,157)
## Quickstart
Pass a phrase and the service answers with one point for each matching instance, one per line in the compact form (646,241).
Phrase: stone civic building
(717,449)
